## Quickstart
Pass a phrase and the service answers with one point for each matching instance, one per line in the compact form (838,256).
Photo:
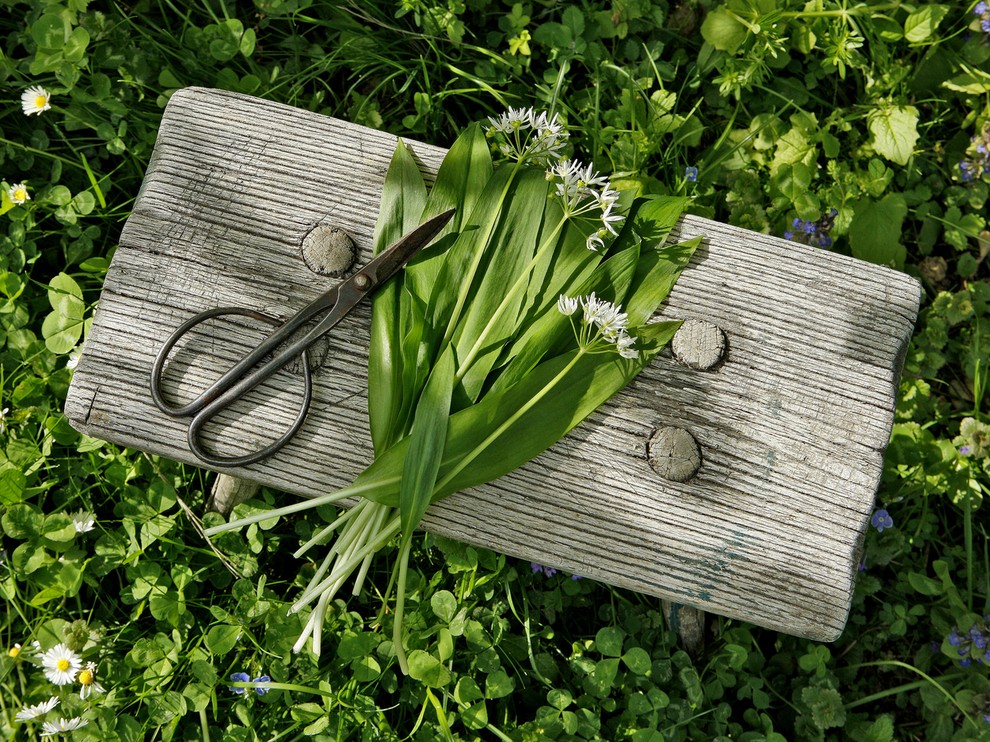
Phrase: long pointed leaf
(426,445)
(403,198)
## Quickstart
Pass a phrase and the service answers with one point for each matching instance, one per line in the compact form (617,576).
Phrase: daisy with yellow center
(60,726)
(61,664)
(18,194)
(35,100)
(39,709)
(87,679)
(16,649)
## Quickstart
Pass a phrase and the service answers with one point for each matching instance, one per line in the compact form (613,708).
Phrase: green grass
(786,112)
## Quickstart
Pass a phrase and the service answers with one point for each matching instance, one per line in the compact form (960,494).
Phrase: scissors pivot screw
(327,250)
(362,281)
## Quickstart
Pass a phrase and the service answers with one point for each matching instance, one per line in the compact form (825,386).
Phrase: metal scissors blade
(246,374)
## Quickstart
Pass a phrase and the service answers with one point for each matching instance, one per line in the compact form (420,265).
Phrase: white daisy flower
(39,709)
(83,521)
(61,664)
(51,728)
(35,100)
(18,194)
(567,305)
(87,679)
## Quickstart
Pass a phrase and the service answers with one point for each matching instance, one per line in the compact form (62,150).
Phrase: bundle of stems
(514,326)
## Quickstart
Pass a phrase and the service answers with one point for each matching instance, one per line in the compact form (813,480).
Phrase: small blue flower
(964,450)
(788,234)
(954,639)
(981,8)
(825,242)
(691,173)
(240,677)
(538,568)
(262,690)
(985,25)
(881,520)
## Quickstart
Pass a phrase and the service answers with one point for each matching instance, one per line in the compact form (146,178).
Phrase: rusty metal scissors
(246,374)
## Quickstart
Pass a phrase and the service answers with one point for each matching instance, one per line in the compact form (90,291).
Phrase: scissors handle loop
(230,387)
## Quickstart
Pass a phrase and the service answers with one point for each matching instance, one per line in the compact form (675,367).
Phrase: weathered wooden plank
(792,424)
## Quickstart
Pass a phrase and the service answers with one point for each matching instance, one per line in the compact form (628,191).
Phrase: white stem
(318,538)
(383,513)
(344,567)
(301,506)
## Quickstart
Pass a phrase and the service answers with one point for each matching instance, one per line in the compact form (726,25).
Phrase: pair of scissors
(246,374)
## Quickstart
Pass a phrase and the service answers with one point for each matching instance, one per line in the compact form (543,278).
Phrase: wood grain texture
(792,424)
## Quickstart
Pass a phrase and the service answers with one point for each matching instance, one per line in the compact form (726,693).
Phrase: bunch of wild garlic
(497,340)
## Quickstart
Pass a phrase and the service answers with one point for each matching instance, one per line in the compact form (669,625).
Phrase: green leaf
(476,716)
(444,606)
(495,309)
(467,691)
(638,660)
(22,521)
(426,445)
(875,231)
(61,333)
(221,639)
(921,23)
(722,30)
(427,669)
(608,641)
(50,31)
(58,529)
(75,46)
(461,179)
(826,706)
(894,131)
(403,199)
(65,296)
(506,429)
(498,684)
(12,484)
(923,584)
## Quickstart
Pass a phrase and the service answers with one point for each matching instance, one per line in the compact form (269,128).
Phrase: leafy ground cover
(860,128)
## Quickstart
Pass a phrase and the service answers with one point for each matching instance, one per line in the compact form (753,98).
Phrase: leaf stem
(471,456)
(315,502)
(400,606)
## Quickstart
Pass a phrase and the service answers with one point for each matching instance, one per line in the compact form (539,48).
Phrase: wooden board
(792,425)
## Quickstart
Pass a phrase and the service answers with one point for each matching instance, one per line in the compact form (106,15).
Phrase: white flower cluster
(61,666)
(525,135)
(600,319)
(581,190)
